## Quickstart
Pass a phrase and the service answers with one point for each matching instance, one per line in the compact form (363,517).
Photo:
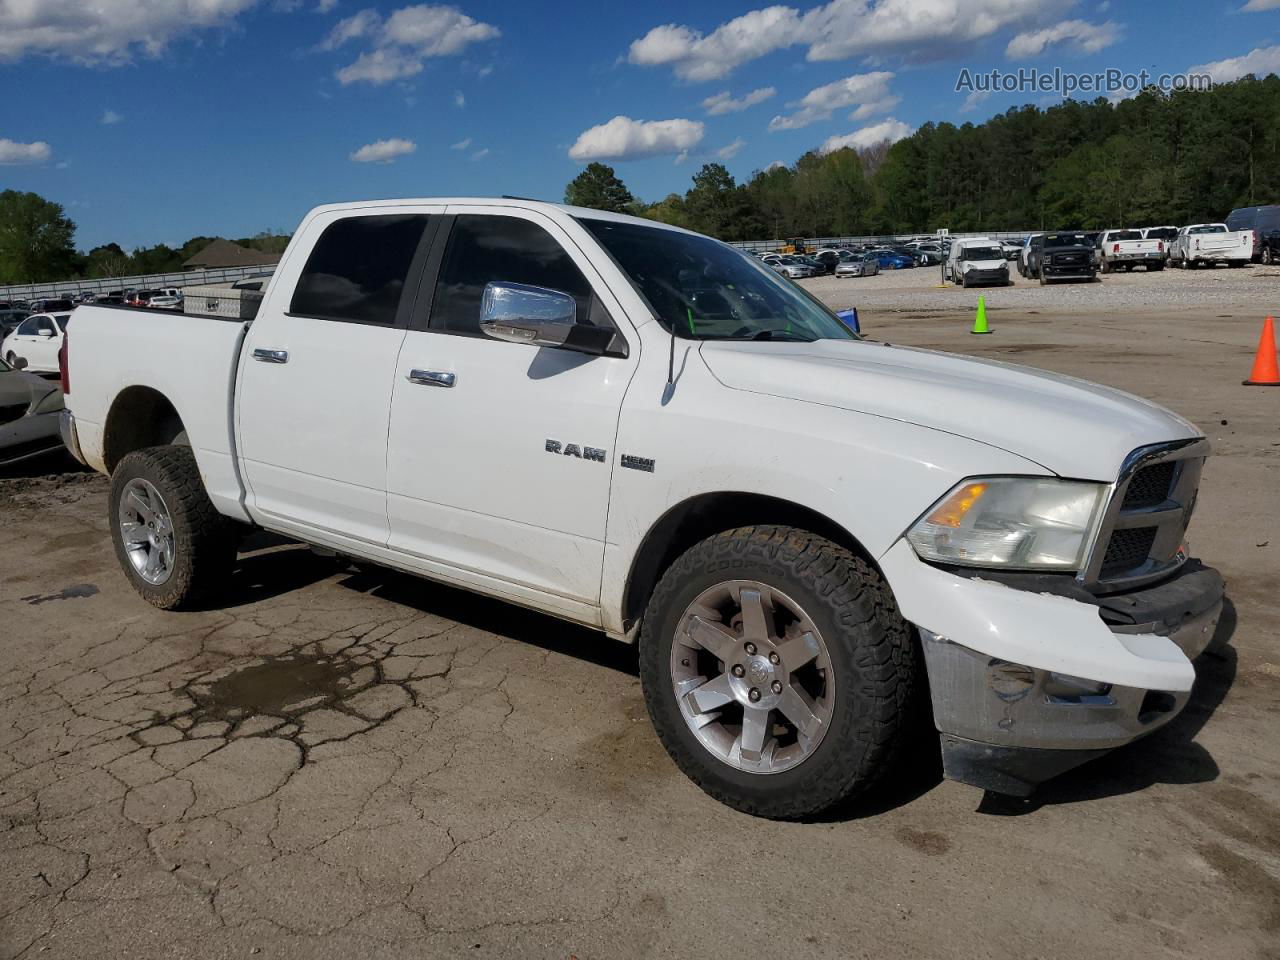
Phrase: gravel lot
(340,764)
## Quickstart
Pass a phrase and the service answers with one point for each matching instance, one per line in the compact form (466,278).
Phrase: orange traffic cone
(1264,372)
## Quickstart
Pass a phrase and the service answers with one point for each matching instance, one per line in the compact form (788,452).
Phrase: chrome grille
(1140,538)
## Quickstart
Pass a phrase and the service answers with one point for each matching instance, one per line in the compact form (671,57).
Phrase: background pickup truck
(1210,243)
(1126,249)
(1066,255)
(818,542)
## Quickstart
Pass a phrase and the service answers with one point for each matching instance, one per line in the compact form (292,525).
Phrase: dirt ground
(341,764)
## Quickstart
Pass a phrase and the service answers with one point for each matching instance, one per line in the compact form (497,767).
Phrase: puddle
(279,686)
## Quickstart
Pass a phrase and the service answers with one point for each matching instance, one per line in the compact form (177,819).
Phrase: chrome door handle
(271,356)
(431,378)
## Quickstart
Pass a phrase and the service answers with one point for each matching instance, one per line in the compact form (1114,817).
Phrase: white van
(977,260)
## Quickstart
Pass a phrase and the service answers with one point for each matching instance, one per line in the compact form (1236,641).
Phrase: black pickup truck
(1066,255)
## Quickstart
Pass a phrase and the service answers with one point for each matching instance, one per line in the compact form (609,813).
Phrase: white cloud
(729,151)
(12,152)
(110,117)
(890,130)
(840,29)
(625,139)
(480,154)
(868,92)
(1078,35)
(459,99)
(326,6)
(384,151)
(461,144)
(401,42)
(722,103)
(1262,60)
(106,32)
(776,165)
(1253,6)
(973,99)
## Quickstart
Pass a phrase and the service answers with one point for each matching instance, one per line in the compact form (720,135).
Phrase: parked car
(793,267)
(30,411)
(165,301)
(1023,253)
(1064,255)
(1011,248)
(858,265)
(1126,249)
(1270,247)
(60,305)
(829,258)
(140,298)
(36,340)
(907,536)
(1260,220)
(1209,243)
(891,259)
(977,260)
(9,320)
(927,254)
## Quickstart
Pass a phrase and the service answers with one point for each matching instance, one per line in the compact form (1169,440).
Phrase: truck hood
(1071,427)
(18,386)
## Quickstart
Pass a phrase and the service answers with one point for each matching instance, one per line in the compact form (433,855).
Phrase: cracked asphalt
(340,763)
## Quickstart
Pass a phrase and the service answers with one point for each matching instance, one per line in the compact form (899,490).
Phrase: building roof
(224,253)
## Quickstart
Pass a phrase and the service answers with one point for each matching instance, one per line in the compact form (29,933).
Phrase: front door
(500,454)
(314,394)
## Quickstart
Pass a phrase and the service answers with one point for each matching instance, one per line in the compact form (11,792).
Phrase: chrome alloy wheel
(752,676)
(147,531)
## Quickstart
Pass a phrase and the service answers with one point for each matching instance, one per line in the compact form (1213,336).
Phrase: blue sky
(154,120)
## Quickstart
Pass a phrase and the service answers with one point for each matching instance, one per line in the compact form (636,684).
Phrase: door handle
(431,378)
(271,356)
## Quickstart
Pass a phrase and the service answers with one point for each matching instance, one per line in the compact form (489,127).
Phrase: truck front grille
(1141,537)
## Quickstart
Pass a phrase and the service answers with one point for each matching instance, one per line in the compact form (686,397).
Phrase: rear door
(500,454)
(314,390)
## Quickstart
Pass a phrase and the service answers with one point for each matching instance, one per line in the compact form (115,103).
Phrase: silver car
(857,265)
(793,268)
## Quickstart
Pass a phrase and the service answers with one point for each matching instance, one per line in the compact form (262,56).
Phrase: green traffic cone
(980,321)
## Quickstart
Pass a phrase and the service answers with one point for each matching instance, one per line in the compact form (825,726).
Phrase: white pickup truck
(812,537)
(1210,243)
(1126,249)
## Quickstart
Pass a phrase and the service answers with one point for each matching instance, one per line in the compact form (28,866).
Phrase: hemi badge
(637,463)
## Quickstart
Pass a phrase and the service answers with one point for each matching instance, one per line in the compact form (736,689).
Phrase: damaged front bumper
(1015,701)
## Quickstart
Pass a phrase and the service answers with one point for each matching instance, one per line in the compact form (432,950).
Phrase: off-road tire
(204,540)
(879,703)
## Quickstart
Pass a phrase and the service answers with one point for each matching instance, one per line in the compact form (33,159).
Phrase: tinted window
(28,329)
(488,248)
(357,270)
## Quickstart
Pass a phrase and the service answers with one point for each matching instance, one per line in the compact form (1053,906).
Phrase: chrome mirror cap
(520,313)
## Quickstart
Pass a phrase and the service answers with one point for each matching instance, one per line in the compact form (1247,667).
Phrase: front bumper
(986,276)
(1006,726)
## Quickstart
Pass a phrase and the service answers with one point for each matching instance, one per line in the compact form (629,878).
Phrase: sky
(152,121)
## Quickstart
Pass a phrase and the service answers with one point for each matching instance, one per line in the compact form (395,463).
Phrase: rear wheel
(1267,256)
(173,546)
(777,671)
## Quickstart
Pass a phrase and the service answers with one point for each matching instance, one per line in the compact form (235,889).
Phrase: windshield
(63,320)
(982,253)
(1208,228)
(1066,240)
(702,289)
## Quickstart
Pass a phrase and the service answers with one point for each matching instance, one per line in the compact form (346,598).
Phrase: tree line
(37,245)
(1156,158)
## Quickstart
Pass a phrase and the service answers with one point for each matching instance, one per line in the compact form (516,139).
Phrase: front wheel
(1268,257)
(173,546)
(777,671)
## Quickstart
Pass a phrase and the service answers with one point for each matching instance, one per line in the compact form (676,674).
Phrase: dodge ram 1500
(815,539)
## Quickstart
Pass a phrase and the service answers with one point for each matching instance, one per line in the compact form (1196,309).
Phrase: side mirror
(19,363)
(520,313)
(45,332)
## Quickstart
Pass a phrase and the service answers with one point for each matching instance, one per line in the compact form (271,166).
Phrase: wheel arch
(705,515)
(140,416)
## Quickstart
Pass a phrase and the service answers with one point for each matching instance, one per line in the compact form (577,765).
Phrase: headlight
(50,403)
(1011,522)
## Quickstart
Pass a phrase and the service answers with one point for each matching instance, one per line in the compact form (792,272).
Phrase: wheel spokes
(755,614)
(798,651)
(755,728)
(796,706)
(133,534)
(715,638)
(712,694)
(141,506)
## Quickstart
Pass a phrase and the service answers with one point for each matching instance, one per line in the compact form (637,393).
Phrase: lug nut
(774,658)
(751,649)
(777,687)
(738,670)
(753,694)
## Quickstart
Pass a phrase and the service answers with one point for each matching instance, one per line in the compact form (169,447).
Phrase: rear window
(357,270)
(1207,228)
(1125,235)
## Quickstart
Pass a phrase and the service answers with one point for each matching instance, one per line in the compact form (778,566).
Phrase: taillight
(64,374)
(1159,246)
(1115,248)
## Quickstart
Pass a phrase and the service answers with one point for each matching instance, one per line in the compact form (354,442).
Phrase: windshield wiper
(779,335)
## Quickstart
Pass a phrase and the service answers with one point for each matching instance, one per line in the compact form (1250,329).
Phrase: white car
(37,340)
(165,302)
(976,260)
(816,541)
(1210,243)
(1023,251)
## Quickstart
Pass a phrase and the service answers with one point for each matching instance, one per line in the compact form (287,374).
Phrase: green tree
(599,188)
(108,260)
(35,239)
